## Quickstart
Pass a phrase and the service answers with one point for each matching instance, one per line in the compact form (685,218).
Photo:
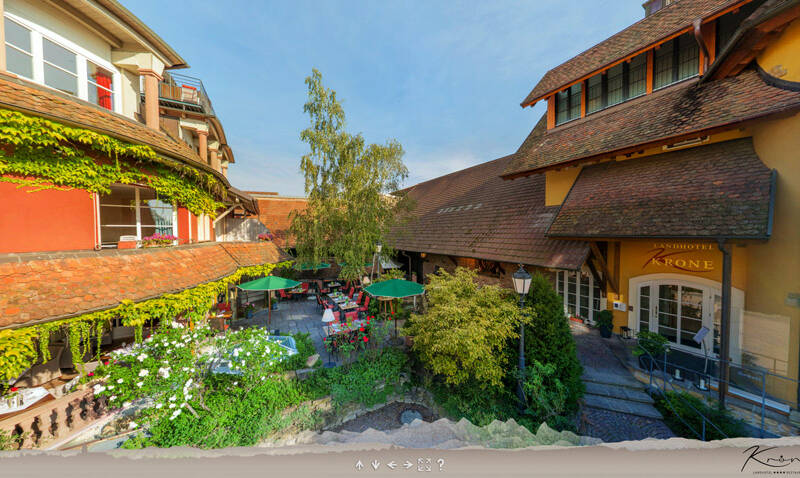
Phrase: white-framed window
(203,228)
(45,57)
(581,293)
(134,211)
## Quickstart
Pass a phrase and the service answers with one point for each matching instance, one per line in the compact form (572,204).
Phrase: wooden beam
(597,277)
(604,267)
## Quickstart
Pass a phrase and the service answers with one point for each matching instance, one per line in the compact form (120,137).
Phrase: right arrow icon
(408,464)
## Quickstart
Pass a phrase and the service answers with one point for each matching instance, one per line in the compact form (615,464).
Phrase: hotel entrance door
(677,310)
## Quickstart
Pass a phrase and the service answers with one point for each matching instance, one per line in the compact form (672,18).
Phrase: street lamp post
(522,283)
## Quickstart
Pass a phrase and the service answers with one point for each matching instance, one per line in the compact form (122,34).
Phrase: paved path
(291,317)
(615,405)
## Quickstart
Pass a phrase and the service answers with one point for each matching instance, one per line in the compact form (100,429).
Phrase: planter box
(126,244)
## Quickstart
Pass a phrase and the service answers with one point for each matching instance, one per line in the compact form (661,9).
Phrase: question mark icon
(440,461)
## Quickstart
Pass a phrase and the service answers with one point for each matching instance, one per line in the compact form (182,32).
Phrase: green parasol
(307,266)
(269,283)
(394,289)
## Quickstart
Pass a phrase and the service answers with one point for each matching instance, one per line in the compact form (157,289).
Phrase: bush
(680,414)
(465,333)
(605,319)
(548,339)
(368,381)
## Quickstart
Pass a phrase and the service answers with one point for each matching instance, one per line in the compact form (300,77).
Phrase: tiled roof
(721,189)
(23,96)
(48,286)
(680,110)
(641,34)
(475,213)
(274,213)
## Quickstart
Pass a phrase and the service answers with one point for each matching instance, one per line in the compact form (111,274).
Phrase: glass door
(678,311)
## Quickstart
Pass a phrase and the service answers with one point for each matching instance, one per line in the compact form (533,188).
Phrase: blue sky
(445,78)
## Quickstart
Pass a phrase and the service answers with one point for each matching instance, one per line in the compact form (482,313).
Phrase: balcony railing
(185,93)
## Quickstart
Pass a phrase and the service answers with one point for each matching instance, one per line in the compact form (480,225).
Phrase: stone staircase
(617,393)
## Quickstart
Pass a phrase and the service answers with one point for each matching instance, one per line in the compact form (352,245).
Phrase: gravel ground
(385,418)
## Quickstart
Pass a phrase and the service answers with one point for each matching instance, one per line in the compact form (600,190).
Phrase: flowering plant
(266,236)
(158,240)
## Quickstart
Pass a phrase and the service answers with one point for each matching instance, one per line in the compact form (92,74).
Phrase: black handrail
(653,361)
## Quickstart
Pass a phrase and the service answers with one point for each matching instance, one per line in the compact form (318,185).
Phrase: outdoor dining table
(337,327)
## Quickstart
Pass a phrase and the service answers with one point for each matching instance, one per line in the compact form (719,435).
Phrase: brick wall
(48,286)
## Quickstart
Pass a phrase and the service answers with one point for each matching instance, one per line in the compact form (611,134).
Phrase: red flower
(352,341)
(14,389)
(91,374)
(105,363)
(366,339)
(361,329)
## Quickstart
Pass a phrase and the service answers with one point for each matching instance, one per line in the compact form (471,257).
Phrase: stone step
(622,406)
(614,391)
(611,378)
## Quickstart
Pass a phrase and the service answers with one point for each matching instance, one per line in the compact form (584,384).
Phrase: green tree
(466,330)
(349,185)
(548,339)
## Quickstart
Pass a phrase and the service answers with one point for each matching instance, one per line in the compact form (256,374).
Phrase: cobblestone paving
(604,371)
(614,426)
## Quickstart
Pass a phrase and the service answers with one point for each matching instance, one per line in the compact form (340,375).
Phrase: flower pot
(605,332)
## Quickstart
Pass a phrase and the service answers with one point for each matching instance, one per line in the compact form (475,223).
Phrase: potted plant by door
(605,322)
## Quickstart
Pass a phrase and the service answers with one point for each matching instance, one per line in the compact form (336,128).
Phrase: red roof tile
(474,213)
(645,32)
(683,109)
(722,189)
(48,286)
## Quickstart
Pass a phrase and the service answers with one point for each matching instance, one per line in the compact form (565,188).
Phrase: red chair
(366,305)
(304,287)
(351,316)
(283,294)
(336,316)
(350,294)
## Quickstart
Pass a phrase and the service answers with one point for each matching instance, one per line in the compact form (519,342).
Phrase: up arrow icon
(359,465)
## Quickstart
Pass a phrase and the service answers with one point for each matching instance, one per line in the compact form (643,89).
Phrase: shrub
(548,339)
(465,333)
(680,414)
(605,319)
(368,380)
(653,343)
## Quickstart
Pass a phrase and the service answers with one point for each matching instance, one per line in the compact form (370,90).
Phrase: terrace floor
(291,317)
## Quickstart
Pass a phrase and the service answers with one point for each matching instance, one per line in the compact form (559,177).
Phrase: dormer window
(568,104)
(619,83)
(676,60)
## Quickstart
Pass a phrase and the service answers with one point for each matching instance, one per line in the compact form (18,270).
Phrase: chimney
(652,6)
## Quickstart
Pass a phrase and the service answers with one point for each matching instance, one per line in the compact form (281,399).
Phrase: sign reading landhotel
(680,256)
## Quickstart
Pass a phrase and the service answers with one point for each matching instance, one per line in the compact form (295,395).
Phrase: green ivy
(43,154)
(18,347)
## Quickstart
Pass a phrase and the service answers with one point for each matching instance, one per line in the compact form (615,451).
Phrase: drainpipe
(725,341)
(698,36)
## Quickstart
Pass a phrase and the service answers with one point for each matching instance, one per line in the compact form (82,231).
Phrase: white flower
(172,398)
(183,404)
(110,387)
(171,405)
(188,397)
(159,405)
(98,388)
(132,425)
(143,372)
(126,404)
(139,384)
(119,380)
(141,357)
(112,397)
(236,383)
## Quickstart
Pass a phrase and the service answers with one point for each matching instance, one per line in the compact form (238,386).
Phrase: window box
(127,244)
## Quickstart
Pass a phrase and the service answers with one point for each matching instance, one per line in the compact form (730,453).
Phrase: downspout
(725,321)
(698,36)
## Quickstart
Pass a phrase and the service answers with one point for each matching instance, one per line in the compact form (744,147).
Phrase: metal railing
(746,384)
(655,367)
(185,93)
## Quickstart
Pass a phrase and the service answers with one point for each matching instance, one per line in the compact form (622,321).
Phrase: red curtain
(103,78)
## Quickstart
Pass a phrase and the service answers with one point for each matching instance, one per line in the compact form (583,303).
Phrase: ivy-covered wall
(43,154)
(20,348)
